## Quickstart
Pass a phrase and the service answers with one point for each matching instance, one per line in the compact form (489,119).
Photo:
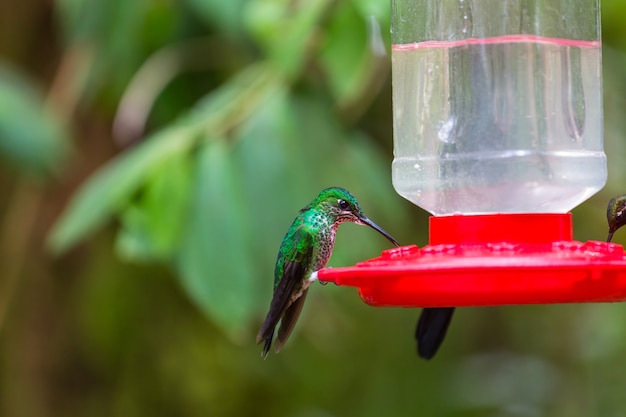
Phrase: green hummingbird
(616,214)
(305,249)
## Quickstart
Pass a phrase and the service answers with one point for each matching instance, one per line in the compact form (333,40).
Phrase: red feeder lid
(488,260)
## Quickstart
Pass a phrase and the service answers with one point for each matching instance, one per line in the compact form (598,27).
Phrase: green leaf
(225,15)
(31,138)
(111,188)
(262,150)
(286,29)
(276,179)
(151,225)
(353,54)
(214,258)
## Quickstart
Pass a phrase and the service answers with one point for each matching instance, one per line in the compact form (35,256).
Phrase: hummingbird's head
(616,214)
(343,207)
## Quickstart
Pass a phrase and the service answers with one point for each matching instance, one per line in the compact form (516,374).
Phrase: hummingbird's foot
(313,278)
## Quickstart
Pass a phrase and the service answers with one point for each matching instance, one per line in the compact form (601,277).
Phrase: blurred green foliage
(157,151)
(31,138)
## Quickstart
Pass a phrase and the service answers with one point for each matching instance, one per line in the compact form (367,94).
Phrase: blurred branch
(17,228)
(154,75)
(69,81)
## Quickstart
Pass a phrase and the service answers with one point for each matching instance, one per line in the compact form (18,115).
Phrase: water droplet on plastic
(444,131)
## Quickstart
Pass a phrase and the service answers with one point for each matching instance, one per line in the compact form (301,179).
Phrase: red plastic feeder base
(488,260)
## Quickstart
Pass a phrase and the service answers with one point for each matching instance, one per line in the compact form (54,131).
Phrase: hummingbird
(616,214)
(431,330)
(305,249)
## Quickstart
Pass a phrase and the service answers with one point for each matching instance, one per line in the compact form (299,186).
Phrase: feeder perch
(488,260)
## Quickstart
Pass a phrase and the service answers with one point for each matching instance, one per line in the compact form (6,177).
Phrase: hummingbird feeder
(498,134)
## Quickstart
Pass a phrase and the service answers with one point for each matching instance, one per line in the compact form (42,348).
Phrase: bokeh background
(153,153)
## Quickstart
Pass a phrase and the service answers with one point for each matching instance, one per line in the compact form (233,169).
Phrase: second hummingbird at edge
(616,214)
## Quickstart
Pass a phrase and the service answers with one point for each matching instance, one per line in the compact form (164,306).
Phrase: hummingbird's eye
(343,204)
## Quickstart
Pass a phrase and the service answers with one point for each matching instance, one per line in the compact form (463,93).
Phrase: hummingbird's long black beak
(379,229)
(608,239)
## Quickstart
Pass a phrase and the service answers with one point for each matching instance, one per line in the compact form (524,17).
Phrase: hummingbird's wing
(431,330)
(289,321)
(282,296)
(297,261)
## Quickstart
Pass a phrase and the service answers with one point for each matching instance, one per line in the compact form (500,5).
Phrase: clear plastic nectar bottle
(497,104)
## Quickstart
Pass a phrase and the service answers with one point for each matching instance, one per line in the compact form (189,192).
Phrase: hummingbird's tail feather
(280,302)
(288,321)
(267,346)
(431,330)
